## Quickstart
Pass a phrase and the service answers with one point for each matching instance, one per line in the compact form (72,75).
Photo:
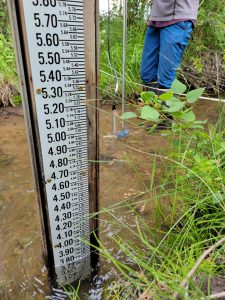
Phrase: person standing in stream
(169,30)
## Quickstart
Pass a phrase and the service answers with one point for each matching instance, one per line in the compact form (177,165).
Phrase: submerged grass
(72,292)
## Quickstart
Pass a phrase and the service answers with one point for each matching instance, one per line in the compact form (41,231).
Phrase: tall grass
(188,218)
(110,71)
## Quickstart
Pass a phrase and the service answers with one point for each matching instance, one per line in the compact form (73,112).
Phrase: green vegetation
(177,217)
(188,219)
(204,60)
(7,60)
(4,20)
(203,63)
(109,72)
(8,74)
(194,186)
(174,112)
(73,294)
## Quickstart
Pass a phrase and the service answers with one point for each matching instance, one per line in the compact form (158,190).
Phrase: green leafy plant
(178,108)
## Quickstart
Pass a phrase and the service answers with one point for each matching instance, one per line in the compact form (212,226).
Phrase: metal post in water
(124,132)
(124,59)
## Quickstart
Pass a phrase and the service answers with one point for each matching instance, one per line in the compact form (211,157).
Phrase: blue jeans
(163,51)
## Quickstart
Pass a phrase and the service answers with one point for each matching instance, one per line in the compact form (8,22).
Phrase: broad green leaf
(194,95)
(178,87)
(128,115)
(174,107)
(147,96)
(149,113)
(172,100)
(177,114)
(188,117)
(166,96)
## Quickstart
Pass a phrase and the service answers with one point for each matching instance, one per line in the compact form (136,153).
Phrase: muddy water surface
(22,271)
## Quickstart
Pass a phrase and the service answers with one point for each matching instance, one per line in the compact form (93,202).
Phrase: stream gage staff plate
(55,37)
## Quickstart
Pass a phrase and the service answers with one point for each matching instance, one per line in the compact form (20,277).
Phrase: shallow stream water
(23,275)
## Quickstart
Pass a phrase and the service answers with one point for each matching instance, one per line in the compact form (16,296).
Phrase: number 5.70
(50,20)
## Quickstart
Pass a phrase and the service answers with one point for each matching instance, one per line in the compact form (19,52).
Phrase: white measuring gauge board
(55,34)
